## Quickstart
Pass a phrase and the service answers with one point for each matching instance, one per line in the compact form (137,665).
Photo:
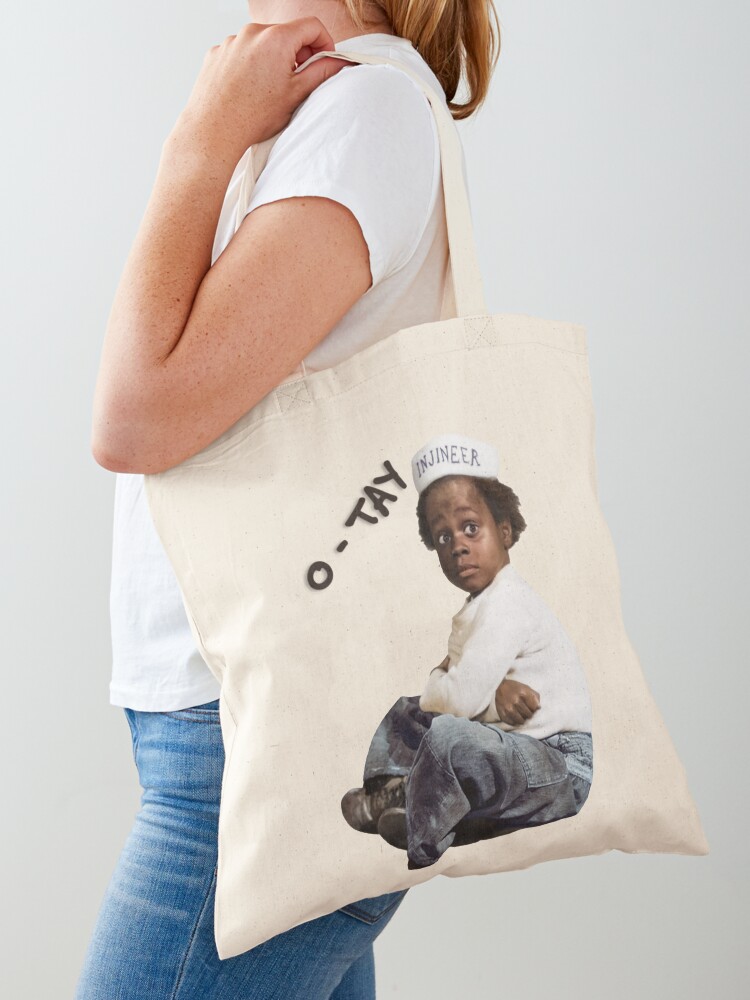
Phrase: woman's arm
(189,348)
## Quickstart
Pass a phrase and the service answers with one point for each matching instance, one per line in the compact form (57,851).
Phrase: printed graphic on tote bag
(500,737)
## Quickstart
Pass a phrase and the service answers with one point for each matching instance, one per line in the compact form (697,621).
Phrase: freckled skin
(463,530)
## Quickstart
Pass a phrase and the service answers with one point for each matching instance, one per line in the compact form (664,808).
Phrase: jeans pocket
(543,764)
(373,908)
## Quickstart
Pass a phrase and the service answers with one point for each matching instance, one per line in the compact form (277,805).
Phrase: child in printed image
(446,768)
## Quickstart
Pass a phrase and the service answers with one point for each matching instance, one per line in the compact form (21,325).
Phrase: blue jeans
(154,934)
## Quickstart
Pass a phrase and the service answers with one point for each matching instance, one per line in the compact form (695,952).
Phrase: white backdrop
(609,184)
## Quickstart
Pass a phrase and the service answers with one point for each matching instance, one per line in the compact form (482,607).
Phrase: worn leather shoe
(362,810)
(392,827)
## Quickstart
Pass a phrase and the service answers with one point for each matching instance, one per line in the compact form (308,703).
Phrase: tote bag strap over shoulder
(465,278)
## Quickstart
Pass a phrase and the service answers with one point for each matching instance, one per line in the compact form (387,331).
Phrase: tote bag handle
(465,275)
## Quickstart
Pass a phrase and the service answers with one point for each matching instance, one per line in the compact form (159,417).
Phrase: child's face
(466,535)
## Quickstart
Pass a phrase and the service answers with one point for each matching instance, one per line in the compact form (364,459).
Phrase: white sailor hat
(453,455)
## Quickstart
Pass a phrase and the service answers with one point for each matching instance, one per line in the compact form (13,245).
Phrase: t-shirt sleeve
(366,138)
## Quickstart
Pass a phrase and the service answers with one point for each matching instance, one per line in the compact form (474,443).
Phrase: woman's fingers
(247,89)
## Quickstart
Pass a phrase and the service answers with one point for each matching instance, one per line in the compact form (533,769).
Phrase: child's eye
(443,534)
(471,524)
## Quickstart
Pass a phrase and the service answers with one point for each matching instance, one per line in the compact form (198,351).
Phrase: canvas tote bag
(313,601)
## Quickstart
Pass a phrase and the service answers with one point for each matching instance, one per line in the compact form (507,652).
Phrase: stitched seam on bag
(280,390)
(293,392)
(479,326)
(342,392)
(401,364)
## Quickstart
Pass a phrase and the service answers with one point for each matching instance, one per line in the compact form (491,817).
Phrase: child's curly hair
(500,499)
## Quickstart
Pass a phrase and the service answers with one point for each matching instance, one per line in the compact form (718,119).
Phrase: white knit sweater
(508,630)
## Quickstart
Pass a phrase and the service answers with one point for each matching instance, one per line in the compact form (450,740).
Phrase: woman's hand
(515,702)
(247,89)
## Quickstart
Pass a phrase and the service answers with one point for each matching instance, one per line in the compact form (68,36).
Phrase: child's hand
(515,702)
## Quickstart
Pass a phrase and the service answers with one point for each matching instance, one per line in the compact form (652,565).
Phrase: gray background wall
(609,173)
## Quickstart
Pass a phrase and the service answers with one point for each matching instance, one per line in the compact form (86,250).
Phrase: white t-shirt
(508,630)
(366,138)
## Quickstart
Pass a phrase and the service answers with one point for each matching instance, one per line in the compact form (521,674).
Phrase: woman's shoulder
(365,137)
(377,94)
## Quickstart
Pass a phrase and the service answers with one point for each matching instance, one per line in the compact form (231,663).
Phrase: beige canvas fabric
(308,672)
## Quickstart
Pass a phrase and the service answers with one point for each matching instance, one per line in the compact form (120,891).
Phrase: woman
(343,243)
